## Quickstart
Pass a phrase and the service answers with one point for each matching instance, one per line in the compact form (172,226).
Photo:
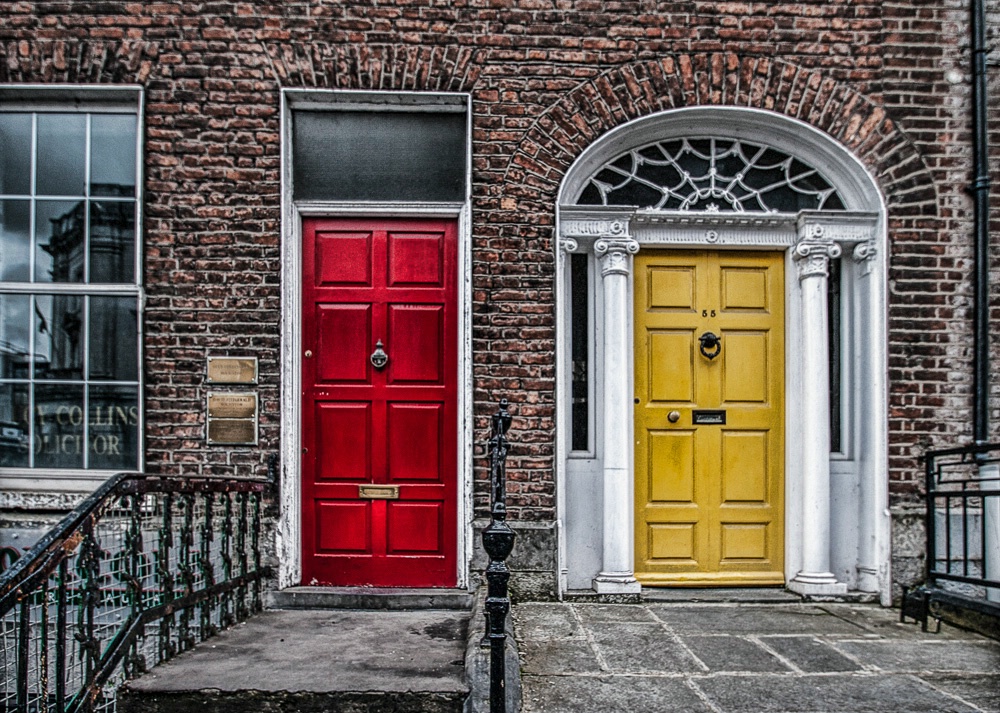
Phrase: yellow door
(709,418)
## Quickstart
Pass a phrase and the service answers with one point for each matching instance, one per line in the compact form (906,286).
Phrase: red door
(380,447)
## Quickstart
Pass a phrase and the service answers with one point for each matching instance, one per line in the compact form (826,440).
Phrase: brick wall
(547,78)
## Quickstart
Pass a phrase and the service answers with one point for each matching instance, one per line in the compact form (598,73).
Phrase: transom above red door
(380,446)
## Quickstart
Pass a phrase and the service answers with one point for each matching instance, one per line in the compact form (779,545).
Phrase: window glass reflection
(59,227)
(15,154)
(112,155)
(58,426)
(112,241)
(113,428)
(62,142)
(58,337)
(14,325)
(113,338)
(14,441)
(15,240)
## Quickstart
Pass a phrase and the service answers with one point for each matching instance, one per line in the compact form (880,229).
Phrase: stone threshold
(716,595)
(369,598)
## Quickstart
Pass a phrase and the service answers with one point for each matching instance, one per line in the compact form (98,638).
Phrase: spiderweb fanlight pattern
(710,174)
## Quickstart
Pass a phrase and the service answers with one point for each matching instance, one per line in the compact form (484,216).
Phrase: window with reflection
(69,289)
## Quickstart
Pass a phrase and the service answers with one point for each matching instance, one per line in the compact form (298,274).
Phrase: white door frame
(288,535)
(858,479)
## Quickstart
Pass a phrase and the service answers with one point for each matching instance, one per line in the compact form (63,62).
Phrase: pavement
(781,656)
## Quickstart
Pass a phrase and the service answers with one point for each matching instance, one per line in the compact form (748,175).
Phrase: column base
(616,583)
(816,583)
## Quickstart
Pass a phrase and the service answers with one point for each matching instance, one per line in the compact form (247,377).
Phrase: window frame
(72,99)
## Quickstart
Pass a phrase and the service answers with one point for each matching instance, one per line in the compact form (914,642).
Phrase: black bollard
(498,541)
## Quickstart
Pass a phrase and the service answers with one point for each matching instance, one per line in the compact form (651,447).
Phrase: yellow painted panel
(672,542)
(744,288)
(744,367)
(745,465)
(671,287)
(671,467)
(671,376)
(744,541)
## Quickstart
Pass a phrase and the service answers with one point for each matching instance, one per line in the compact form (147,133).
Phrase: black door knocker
(379,358)
(711,345)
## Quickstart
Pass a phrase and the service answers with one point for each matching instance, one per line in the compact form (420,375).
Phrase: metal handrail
(143,568)
(954,481)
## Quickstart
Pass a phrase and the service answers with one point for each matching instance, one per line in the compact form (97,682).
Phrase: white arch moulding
(837,523)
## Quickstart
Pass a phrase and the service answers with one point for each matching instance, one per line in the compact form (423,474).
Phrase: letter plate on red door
(379,492)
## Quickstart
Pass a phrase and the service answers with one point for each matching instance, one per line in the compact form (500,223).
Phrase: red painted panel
(416,332)
(416,259)
(396,425)
(343,526)
(343,258)
(415,527)
(344,335)
(343,441)
(411,424)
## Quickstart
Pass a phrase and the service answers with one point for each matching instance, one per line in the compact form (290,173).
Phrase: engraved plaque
(233,431)
(232,370)
(232,405)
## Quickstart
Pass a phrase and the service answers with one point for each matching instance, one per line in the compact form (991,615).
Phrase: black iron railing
(498,541)
(143,569)
(963,491)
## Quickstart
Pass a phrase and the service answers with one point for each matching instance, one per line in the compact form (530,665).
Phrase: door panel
(379,490)
(709,496)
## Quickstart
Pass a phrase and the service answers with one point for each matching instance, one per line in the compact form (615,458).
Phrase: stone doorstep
(369,598)
(316,661)
(734,595)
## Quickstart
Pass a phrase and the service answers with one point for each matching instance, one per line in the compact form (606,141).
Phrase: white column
(812,256)
(616,576)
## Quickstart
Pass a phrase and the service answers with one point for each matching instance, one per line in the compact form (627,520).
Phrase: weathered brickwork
(547,78)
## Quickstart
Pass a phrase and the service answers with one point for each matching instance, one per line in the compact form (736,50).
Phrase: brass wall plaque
(379,492)
(232,370)
(232,431)
(232,405)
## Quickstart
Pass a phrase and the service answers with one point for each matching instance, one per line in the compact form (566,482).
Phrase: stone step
(369,598)
(327,660)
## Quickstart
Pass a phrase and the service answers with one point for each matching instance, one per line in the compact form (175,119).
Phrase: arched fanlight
(710,174)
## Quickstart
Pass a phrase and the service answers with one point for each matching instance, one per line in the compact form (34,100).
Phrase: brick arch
(77,61)
(375,67)
(593,108)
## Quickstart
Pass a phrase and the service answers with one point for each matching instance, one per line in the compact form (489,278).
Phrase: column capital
(614,254)
(814,251)
(568,245)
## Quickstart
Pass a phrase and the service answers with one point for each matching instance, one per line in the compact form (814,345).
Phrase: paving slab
(810,654)
(753,619)
(927,655)
(546,621)
(612,694)
(642,648)
(733,653)
(982,691)
(322,652)
(848,693)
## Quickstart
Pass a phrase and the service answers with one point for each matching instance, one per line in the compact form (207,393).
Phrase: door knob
(308,354)
(674,416)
